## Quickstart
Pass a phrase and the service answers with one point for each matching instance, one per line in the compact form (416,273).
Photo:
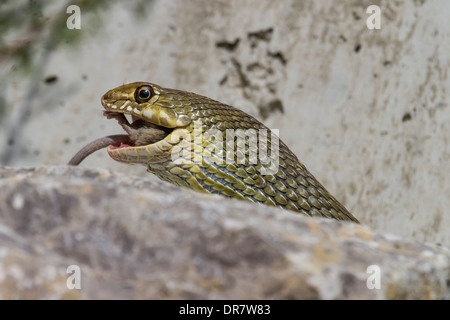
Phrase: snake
(199,143)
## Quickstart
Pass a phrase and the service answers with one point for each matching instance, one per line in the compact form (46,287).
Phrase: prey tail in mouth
(139,133)
(118,139)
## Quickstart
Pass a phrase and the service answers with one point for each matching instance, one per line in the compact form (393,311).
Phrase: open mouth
(150,133)
(143,141)
(139,132)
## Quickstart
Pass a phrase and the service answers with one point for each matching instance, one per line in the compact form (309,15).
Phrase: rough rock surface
(134,238)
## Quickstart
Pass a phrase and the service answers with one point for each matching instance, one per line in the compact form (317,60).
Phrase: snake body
(219,156)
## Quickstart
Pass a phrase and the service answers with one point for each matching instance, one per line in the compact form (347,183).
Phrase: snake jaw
(161,127)
(159,151)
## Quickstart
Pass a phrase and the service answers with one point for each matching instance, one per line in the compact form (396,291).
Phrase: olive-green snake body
(202,144)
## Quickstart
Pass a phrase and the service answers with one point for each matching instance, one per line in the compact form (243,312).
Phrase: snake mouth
(139,131)
(144,142)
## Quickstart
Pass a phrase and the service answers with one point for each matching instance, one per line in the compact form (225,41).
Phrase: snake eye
(144,93)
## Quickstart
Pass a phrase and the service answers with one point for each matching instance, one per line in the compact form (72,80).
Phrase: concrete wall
(366,111)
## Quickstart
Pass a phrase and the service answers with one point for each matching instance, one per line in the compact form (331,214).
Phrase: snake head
(148,102)
(154,110)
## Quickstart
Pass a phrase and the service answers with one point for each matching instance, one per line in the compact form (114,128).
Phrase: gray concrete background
(365,110)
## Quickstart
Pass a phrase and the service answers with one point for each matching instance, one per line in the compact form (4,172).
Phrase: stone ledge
(137,238)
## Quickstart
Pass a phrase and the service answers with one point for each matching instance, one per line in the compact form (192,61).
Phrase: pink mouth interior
(122,145)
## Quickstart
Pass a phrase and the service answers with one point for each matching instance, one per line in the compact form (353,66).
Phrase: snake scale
(199,143)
